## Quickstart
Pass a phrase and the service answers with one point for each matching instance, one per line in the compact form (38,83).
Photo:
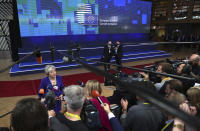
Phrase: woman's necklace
(53,81)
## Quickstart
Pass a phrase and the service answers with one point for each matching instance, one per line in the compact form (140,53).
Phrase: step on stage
(131,52)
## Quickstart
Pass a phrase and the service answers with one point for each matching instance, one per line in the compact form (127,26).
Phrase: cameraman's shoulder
(60,116)
(57,125)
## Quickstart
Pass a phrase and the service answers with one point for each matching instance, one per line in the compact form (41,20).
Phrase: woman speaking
(52,83)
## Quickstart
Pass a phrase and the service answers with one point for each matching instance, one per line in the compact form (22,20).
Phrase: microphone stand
(20,60)
(148,95)
(52,52)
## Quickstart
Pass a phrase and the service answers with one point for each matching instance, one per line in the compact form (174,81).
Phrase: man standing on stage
(118,53)
(107,54)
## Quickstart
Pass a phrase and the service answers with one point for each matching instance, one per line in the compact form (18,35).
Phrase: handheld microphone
(52,50)
(41,93)
(65,59)
(95,94)
(38,56)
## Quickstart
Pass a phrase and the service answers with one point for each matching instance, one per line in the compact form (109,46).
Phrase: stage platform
(131,52)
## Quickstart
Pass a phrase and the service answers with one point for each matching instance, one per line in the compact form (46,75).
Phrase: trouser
(118,61)
(107,60)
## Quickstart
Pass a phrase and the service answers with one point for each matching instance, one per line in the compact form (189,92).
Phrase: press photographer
(162,68)
(185,70)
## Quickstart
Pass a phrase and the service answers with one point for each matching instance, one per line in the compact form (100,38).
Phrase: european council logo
(90,19)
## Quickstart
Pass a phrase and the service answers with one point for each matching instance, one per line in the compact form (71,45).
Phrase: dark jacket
(118,51)
(56,125)
(72,125)
(143,117)
(106,52)
(115,124)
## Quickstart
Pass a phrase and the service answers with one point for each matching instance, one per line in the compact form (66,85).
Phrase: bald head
(194,58)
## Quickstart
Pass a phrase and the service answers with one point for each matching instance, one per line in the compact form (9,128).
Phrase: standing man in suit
(107,54)
(118,53)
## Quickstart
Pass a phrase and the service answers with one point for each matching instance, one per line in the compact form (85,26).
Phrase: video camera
(175,63)
(152,76)
(117,74)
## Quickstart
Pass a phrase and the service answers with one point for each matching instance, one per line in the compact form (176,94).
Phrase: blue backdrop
(86,22)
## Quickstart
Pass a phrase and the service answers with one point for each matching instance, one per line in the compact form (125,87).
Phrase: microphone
(67,59)
(38,56)
(41,93)
(52,50)
(95,94)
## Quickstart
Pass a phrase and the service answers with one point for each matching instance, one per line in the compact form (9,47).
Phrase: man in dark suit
(118,53)
(107,54)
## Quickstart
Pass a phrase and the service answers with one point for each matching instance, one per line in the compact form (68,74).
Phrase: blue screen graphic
(77,17)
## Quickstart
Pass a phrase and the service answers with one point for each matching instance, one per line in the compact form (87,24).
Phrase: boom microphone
(95,94)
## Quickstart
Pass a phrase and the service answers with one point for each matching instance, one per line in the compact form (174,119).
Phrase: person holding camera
(162,68)
(185,71)
(195,63)
(52,83)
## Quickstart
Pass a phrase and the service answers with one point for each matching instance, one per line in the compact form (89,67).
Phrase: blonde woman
(92,85)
